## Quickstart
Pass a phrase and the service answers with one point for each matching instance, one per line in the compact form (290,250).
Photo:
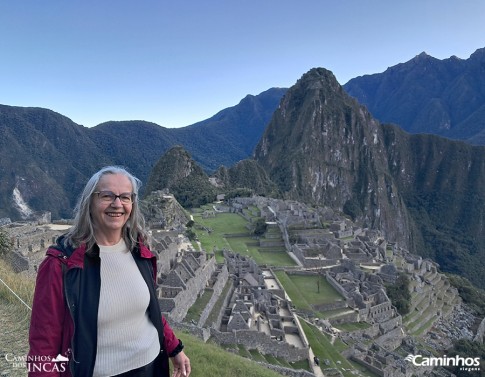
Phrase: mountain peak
(422,55)
(478,54)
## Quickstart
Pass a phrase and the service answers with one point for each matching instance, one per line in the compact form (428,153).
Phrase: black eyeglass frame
(113,196)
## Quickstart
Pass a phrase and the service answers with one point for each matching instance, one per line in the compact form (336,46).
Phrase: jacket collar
(75,256)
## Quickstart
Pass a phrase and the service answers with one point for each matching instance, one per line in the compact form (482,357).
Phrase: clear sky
(178,62)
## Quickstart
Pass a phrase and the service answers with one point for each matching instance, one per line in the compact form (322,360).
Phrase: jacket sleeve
(171,341)
(48,312)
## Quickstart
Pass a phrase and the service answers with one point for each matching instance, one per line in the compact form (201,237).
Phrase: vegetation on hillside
(399,293)
(468,349)
(474,297)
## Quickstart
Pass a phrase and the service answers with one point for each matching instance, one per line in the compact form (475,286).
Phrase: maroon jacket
(65,310)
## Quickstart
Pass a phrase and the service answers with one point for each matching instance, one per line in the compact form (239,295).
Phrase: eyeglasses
(110,197)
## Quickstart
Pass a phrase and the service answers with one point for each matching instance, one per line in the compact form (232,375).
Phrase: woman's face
(109,216)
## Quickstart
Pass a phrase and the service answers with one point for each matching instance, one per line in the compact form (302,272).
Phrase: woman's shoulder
(145,251)
(63,252)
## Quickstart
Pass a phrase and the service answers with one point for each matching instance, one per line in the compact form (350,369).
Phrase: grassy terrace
(218,306)
(229,231)
(199,305)
(208,360)
(323,348)
(306,291)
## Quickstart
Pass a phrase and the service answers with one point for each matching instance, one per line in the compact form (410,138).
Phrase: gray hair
(83,231)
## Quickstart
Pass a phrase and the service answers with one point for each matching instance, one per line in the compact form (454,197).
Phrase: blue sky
(175,63)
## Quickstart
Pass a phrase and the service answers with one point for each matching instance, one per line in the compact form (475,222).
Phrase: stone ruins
(247,304)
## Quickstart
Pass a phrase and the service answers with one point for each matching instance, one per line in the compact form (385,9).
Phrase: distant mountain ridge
(423,191)
(320,146)
(45,158)
(428,95)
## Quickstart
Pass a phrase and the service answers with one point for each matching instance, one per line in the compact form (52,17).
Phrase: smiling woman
(100,279)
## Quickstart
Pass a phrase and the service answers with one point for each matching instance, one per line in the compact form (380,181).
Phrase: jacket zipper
(71,308)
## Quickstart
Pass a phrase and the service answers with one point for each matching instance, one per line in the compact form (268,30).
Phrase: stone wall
(225,303)
(287,371)
(345,318)
(381,312)
(205,334)
(217,288)
(166,247)
(32,238)
(262,342)
(17,261)
(390,340)
(194,286)
(336,285)
(200,332)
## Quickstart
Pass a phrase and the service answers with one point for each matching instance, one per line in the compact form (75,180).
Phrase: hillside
(44,158)
(44,152)
(428,95)
(15,322)
(422,191)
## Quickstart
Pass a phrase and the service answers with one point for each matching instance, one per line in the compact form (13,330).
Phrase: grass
(305,292)
(324,349)
(14,317)
(210,360)
(349,327)
(199,305)
(217,306)
(21,284)
(229,231)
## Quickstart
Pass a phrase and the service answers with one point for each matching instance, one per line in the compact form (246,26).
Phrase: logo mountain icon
(60,358)
(410,358)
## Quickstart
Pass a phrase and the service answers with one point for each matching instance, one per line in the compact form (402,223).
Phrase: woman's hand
(181,365)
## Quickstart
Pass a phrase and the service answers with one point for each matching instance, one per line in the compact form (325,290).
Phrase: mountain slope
(428,95)
(45,158)
(235,130)
(422,191)
(322,147)
(180,174)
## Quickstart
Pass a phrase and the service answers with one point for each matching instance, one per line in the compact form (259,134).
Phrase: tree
(260,227)
(399,294)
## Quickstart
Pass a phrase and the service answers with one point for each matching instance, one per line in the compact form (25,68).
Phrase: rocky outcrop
(422,191)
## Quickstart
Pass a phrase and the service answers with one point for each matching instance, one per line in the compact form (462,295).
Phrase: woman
(95,302)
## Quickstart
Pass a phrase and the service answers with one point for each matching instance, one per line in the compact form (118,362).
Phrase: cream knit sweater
(127,338)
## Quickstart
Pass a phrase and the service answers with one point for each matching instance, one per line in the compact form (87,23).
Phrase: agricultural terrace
(308,291)
(232,232)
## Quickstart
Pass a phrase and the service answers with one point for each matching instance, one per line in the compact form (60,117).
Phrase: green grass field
(199,305)
(323,348)
(229,231)
(308,290)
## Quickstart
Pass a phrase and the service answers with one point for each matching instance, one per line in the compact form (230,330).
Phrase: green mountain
(231,134)
(45,158)
(246,175)
(428,95)
(423,191)
(180,174)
